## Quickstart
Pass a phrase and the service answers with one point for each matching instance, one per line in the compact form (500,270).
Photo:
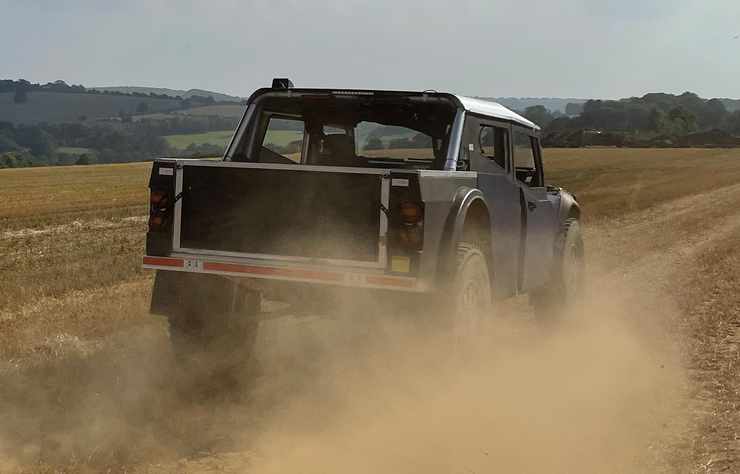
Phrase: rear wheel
(469,300)
(568,274)
(213,328)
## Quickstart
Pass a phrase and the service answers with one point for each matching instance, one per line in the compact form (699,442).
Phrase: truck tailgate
(302,213)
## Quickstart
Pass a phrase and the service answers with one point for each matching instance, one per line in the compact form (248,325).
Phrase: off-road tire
(469,298)
(566,281)
(213,349)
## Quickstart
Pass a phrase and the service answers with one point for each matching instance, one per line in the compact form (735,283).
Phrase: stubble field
(644,378)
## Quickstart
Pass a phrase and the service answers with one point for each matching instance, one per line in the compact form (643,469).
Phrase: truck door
(537,211)
(487,148)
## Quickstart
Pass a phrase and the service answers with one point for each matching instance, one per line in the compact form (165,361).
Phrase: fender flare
(454,226)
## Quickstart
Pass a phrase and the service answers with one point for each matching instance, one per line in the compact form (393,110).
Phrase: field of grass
(223,110)
(71,228)
(218,138)
(612,181)
(282,137)
(71,240)
(67,107)
(74,150)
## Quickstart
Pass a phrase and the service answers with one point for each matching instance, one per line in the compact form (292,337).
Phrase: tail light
(411,233)
(158,210)
(411,213)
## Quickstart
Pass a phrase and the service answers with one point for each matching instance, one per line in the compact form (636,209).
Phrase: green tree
(539,114)
(682,121)
(573,109)
(85,159)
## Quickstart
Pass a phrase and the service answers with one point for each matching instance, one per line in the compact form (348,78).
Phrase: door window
(525,162)
(492,144)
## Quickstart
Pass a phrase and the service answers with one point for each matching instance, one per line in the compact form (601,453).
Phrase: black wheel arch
(469,218)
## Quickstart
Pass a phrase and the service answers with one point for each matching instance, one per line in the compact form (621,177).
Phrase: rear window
(353,131)
(284,137)
(375,140)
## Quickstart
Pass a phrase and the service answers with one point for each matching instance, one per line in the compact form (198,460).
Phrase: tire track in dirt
(689,250)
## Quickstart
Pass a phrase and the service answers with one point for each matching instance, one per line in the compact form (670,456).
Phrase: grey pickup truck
(418,194)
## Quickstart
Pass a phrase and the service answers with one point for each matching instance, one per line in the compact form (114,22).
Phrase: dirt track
(643,378)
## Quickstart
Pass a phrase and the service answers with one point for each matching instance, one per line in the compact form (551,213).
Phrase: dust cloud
(599,392)
(360,390)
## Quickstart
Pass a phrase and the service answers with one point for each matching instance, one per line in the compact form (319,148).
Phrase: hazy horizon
(572,49)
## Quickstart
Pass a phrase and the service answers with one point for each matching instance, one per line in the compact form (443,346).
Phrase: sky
(556,48)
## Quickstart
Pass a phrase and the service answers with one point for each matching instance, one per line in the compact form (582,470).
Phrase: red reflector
(272,271)
(164,261)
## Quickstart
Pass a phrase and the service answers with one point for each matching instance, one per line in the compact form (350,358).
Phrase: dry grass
(69,229)
(614,181)
(37,197)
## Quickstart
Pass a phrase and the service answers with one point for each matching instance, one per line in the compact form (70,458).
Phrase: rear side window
(283,137)
(524,160)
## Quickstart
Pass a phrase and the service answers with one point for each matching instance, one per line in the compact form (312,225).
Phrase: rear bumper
(280,271)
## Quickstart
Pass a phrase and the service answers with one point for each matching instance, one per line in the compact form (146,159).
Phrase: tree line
(655,119)
(39,145)
(22,88)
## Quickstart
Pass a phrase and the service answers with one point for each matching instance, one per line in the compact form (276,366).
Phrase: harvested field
(643,378)
(220,138)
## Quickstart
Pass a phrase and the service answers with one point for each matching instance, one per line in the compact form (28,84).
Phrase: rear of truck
(317,187)
(317,190)
(308,224)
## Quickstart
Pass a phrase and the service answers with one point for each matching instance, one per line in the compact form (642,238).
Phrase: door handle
(531,206)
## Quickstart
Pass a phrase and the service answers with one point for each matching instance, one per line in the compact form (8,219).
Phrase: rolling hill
(53,107)
(217,96)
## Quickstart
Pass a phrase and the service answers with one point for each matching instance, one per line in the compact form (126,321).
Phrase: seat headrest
(339,145)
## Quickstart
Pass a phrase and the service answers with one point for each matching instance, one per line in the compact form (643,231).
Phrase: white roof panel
(494,109)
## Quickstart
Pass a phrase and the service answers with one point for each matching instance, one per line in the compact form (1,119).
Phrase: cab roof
(495,110)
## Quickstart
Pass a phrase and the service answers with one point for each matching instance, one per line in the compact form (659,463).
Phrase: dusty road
(643,377)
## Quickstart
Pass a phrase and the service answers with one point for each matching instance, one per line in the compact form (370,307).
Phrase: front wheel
(567,274)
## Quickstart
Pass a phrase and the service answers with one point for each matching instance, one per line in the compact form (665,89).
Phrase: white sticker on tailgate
(166,171)
(193,265)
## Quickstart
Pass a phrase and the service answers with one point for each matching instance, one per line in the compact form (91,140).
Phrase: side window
(283,140)
(492,144)
(525,163)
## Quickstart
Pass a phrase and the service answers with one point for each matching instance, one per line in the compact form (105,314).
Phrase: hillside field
(219,138)
(221,110)
(649,381)
(70,107)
